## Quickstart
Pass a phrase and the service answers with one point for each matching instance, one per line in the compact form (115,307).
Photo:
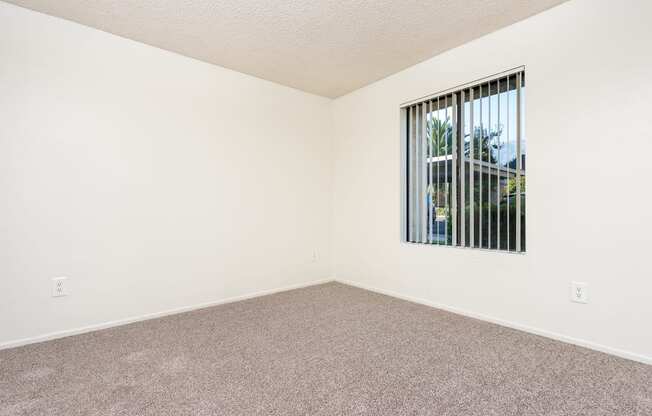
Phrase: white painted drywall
(153,181)
(589,81)
(156,182)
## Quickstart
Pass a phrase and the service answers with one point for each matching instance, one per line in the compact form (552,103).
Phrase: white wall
(589,68)
(156,182)
(151,180)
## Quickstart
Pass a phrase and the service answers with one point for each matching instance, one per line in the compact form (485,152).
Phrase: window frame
(409,130)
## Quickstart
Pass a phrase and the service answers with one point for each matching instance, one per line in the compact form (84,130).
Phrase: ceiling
(326,47)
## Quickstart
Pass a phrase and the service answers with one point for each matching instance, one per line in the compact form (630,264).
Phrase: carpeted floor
(324,350)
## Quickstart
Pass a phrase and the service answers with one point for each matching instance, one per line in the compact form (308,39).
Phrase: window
(463,166)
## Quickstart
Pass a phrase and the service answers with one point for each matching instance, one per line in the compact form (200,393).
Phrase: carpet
(329,349)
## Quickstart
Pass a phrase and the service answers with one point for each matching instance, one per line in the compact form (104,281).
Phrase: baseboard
(559,337)
(548,334)
(110,324)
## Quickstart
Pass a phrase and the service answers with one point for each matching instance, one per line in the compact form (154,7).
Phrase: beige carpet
(324,350)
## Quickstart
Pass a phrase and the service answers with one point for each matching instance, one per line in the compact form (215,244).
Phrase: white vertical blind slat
(424,165)
(462,125)
(518,162)
(454,169)
(471,170)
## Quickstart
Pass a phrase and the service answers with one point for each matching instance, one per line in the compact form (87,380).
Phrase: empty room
(293,207)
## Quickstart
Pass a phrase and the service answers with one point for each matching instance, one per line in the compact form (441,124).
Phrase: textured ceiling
(327,47)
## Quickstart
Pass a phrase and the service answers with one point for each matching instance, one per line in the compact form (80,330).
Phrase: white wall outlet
(580,292)
(315,257)
(59,286)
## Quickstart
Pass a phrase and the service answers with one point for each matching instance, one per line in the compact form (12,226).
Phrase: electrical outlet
(315,257)
(59,286)
(580,292)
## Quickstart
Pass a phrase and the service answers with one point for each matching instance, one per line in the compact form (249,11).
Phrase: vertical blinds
(464,165)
